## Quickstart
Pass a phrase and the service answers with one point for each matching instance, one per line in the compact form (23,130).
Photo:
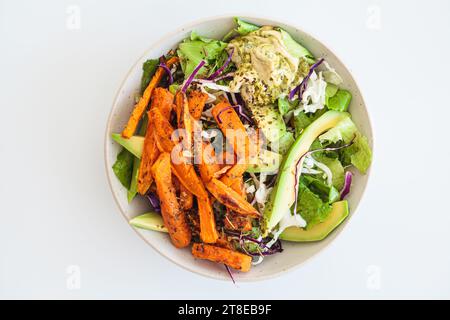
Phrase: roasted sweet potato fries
(187,187)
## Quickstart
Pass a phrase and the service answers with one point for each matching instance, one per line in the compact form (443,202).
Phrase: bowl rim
(189,26)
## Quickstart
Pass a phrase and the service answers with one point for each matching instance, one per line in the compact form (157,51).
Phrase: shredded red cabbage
(229,272)
(220,70)
(225,76)
(240,112)
(308,153)
(154,201)
(192,76)
(163,65)
(300,89)
(347,184)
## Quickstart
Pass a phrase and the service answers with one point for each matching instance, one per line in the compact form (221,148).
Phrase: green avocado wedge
(282,197)
(135,144)
(319,231)
(149,221)
(266,161)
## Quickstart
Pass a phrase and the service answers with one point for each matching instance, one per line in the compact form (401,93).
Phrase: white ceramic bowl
(294,254)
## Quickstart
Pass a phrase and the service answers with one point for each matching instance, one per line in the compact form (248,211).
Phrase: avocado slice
(149,221)
(135,144)
(270,121)
(283,195)
(319,231)
(266,161)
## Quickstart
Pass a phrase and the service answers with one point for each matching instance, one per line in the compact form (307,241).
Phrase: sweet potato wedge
(173,216)
(185,120)
(208,232)
(197,100)
(150,153)
(208,165)
(186,174)
(234,221)
(141,106)
(230,198)
(163,100)
(233,129)
(233,259)
(233,175)
(186,198)
(163,131)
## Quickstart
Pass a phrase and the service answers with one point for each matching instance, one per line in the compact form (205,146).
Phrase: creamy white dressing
(288,220)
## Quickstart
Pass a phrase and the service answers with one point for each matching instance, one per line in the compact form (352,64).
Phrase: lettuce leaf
(358,154)
(339,101)
(149,68)
(294,48)
(197,48)
(123,167)
(310,206)
(334,165)
(344,131)
(328,194)
(244,28)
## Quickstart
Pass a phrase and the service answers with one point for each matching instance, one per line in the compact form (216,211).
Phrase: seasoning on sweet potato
(186,198)
(208,165)
(141,106)
(234,175)
(208,232)
(173,216)
(233,259)
(233,129)
(230,198)
(184,119)
(197,100)
(163,131)
(163,100)
(186,174)
(150,153)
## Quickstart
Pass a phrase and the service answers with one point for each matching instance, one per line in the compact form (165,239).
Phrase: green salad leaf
(358,154)
(244,28)
(197,48)
(310,206)
(328,194)
(330,90)
(344,131)
(284,105)
(294,48)
(339,101)
(123,167)
(335,167)
(148,70)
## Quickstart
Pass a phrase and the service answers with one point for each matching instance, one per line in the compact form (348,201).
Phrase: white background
(56,89)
